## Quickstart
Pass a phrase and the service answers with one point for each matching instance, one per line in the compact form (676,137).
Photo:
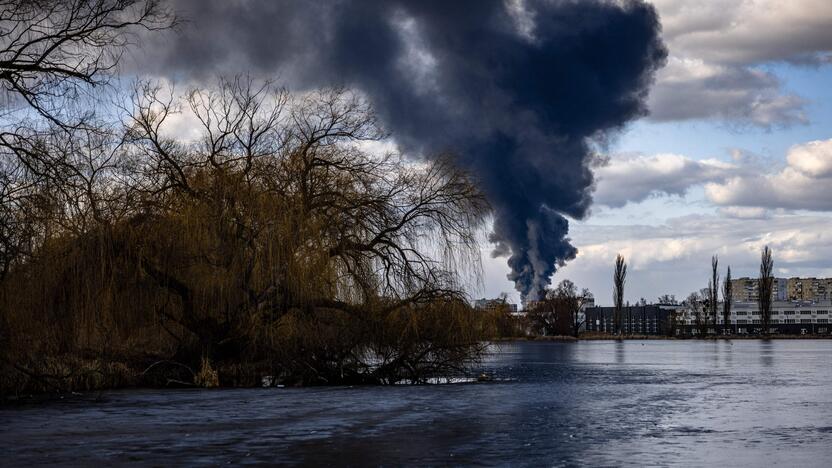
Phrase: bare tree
(727,301)
(274,238)
(766,285)
(713,292)
(17,196)
(694,304)
(619,279)
(364,217)
(53,149)
(559,311)
(583,300)
(51,50)
(550,315)
(560,306)
(52,54)
(506,323)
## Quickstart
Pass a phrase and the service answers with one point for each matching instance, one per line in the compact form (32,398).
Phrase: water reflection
(766,352)
(728,352)
(717,352)
(620,358)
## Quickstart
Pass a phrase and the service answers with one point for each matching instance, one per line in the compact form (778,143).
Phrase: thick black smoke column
(516,89)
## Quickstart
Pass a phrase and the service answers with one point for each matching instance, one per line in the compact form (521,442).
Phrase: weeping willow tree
(273,244)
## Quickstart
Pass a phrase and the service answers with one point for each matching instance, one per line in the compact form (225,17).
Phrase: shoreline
(600,337)
(94,395)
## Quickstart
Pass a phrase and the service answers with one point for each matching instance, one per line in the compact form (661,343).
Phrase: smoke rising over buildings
(515,89)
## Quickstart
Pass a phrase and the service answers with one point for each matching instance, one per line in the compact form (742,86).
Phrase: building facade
(791,289)
(748,289)
(635,320)
(809,289)
(787,317)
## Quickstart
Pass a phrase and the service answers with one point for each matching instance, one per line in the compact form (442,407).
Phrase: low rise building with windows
(787,317)
(651,319)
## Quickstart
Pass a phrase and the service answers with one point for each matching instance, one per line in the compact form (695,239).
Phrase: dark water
(746,403)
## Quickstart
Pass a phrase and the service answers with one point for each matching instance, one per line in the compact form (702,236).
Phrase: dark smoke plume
(517,89)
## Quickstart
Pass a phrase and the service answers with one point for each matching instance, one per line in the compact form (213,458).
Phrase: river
(640,403)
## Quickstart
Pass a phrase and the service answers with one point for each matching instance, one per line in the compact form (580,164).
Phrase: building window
(805,320)
(755,321)
(788,321)
(823,320)
(742,322)
(788,312)
(742,313)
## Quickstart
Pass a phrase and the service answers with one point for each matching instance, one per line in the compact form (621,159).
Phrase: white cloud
(628,179)
(745,212)
(716,48)
(813,158)
(804,184)
(641,253)
(748,31)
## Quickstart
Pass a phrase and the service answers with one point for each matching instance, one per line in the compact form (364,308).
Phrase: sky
(736,154)
(716,142)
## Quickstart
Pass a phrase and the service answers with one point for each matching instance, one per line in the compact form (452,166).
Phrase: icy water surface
(651,403)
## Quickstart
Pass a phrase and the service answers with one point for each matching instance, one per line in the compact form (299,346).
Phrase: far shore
(606,337)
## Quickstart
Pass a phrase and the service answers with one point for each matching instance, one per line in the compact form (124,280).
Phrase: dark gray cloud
(692,89)
(514,89)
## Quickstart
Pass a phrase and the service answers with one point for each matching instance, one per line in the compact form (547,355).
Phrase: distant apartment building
(791,289)
(491,304)
(748,289)
(809,289)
